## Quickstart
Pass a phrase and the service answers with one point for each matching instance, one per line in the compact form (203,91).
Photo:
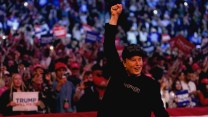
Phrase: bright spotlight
(25,4)
(185,4)
(3,37)
(155,12)
(51,47)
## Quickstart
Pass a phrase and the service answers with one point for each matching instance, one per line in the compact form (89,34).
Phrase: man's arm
(110,49)
(110,35)
(115,13)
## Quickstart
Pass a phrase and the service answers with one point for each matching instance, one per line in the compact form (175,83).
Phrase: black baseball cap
(132,50)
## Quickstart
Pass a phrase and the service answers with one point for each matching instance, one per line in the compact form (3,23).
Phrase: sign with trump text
(26,101)
(182,44)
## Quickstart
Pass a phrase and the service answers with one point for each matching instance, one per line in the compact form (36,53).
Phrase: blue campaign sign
(92,36)
(182,98)
(46,39)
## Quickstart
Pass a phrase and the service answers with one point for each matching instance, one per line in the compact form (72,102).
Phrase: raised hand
(116,10)
(115,13)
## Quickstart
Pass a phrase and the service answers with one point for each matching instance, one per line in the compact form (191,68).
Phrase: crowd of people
(55,48)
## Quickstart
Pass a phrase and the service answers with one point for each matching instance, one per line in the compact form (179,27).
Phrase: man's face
(39,70)
(60,72)
(133,65)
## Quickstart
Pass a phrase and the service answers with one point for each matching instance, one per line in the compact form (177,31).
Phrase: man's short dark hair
(132,50)
(96,67)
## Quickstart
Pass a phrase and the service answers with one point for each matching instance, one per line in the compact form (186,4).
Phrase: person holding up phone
(64,89)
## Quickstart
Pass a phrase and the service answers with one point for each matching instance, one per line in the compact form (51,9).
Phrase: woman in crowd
(41,82)
(6,100)
(179,97)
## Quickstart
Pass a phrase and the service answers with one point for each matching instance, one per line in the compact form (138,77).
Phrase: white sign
(25,101)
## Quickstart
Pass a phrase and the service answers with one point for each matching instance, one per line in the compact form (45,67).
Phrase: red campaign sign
(59,31)
(165,37)
(182,44)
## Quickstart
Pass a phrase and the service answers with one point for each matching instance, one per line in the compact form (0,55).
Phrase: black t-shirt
(128,96)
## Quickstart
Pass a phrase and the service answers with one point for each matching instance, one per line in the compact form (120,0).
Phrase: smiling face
(178,86)
(133,65)
(38,79)
(17,80)
(60,73)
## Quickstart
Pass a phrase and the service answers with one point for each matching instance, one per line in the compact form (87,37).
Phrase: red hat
(195,66)
(204,81)
(59,65)
(38,66)
(74,65)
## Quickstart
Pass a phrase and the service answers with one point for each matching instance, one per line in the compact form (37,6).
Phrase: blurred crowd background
(55,47)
